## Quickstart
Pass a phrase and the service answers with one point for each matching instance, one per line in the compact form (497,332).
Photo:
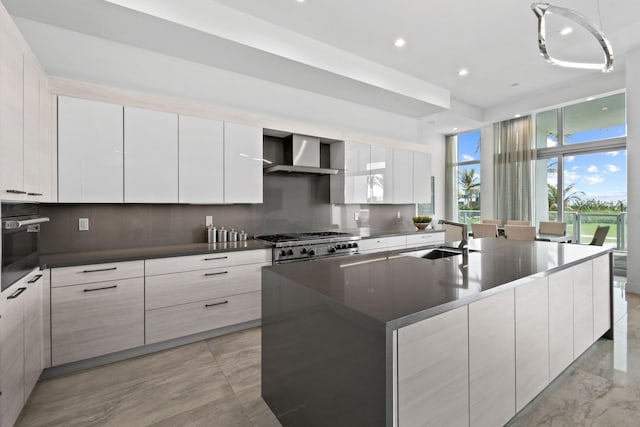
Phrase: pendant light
(541,10)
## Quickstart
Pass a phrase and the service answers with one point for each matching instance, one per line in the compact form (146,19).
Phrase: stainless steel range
(308,246)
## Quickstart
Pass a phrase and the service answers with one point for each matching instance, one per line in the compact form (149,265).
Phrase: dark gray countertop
(397,289)
(117,255)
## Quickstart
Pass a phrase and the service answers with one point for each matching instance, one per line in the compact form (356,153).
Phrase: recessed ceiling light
(455,128)
(300,1)
(517,116)
(591,98)
(399,42)
(605,108)
(463,72)
(564,31)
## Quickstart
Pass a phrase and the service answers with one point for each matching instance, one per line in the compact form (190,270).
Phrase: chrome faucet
(465,232)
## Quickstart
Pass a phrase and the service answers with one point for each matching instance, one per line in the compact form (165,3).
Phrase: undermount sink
(437,253)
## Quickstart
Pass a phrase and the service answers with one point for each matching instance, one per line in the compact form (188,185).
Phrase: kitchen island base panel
(506,289)
(310,345)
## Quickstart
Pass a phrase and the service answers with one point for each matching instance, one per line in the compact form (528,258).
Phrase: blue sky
(601,176)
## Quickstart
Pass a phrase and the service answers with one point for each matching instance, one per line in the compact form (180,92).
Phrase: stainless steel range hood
(301,156)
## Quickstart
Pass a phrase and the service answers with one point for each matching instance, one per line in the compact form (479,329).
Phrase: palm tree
(570,196)
(470,183)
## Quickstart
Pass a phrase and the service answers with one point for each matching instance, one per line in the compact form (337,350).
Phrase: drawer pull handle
(100,289)
(16,192)
(17,293)
(35,279)
(215,258)
(215,303)
(100,269)
(216,274)
(34,194)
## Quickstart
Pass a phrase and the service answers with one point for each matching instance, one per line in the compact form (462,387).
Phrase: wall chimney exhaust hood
(301,156)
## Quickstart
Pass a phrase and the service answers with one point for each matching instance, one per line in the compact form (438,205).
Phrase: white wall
(633,174)
(486,172)
(436,141)
(77,56)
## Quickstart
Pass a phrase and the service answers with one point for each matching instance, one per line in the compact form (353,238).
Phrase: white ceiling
(344,48)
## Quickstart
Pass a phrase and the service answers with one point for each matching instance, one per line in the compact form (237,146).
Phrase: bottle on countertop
(222,235)
(233,235)
(211,234)
(242,235)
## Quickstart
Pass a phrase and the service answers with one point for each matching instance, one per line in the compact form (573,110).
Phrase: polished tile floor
(216,383)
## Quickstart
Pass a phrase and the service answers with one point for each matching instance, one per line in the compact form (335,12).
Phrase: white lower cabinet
(382,244)
(180,288)
(20,345)
(492,360)
(33,336)
(193,294)
(94,319)
(601,296)
(532,340)
(560,322)
(432,371)
(11,355)
(519,340)
(186,319)
(424,239)
(582,308)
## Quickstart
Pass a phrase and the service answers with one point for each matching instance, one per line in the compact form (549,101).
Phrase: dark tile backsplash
(291,204)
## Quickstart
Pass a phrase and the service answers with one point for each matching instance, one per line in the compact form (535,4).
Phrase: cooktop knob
(283,253)
(290,252)
(303,251)
(312,252)
(355,245)
(332,250)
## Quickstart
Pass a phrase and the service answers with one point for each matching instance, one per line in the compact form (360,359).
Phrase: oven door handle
(13,225)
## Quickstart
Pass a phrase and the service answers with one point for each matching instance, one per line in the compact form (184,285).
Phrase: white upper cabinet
(11,113)
(201,160)
(31,135)
(47,150)
(351,184)
(90,151)
(151,156)
(402,177)
(421,177)
(380,175)
(242,163)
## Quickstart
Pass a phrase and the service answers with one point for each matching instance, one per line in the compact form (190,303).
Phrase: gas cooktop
(307,246)
(303,237)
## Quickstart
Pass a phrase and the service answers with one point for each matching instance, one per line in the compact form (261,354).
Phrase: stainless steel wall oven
(20,227)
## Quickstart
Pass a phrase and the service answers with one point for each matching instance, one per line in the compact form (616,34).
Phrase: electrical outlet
(356,216)
(83,224)
(208,220)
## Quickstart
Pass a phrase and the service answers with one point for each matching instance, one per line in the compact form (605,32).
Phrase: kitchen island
(395,339)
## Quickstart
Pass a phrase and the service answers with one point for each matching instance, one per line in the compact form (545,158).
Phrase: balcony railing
(580,225)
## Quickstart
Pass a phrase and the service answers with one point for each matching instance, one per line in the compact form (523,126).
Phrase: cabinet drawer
(382,243)
(206,261)
(415,240)
(186,319)
(180,288)
(76,275)
(95,319)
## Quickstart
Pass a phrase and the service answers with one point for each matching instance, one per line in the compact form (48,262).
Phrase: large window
(581,170)
(466,165)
